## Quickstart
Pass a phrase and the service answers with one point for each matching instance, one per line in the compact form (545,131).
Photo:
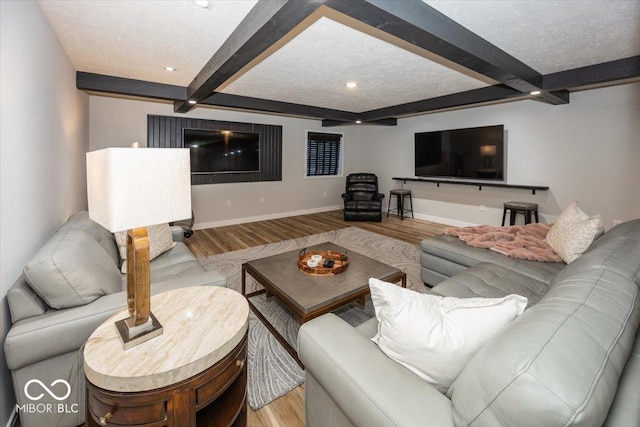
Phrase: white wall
(118,122)
(587,150)
(44,134)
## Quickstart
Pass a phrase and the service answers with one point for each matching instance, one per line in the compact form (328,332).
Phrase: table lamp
(487,151)
(131,189)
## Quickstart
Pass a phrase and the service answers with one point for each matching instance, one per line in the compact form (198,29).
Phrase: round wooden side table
(194,374)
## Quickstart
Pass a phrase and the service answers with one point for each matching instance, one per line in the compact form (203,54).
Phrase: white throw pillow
(435,337)
(573,232)
(160,241)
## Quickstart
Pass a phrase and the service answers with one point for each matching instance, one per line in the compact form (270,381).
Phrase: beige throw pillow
(434,336)
(160,241)
(573,232)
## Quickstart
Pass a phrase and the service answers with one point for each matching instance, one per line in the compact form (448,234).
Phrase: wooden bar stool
(400,209)
(515,208)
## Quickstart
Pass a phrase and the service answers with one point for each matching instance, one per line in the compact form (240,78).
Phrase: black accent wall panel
(166,132)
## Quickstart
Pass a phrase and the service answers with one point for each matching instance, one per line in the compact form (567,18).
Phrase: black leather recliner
(362,202)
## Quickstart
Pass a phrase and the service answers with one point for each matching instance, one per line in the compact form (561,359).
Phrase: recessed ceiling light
(351,85)
(205,4)
(169,68)
(535,92)
(191,101)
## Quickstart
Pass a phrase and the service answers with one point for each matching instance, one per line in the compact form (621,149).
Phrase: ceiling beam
(410,21)
(392,121)
(382,122)
(476,96)
(279,107)
(557,97)
(422,25)
(266,23)
(621,69)
(140,88)
(383,116)
(129,87)
(327,123)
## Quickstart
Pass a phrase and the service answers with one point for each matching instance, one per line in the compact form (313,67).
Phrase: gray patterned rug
(271,370)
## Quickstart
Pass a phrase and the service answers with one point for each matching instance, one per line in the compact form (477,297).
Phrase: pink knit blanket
(523,242)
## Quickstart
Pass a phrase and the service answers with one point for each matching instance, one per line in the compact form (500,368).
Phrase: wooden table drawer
(230,368)
(216,396)
(137,414)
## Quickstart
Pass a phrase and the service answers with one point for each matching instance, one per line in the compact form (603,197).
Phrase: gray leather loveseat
(43,343)
(571,359)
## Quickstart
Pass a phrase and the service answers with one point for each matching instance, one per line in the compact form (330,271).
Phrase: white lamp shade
(488,150)
(138,187)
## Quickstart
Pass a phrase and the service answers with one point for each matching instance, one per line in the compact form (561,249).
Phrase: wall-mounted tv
(222,151)
(471,153)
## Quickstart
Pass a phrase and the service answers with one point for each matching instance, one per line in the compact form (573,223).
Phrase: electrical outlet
(228,203)
(483,208)
(261,199)
(324,194)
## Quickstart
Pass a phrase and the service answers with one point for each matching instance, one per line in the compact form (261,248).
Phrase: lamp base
(131,336)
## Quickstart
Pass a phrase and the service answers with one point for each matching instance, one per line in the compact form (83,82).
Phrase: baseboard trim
(13,418)
(235,221)
(446,221)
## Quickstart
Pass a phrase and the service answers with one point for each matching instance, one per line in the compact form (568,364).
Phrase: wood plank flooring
(218,240)
(288,411)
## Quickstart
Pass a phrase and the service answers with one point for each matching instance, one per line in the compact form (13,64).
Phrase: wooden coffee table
(309,296)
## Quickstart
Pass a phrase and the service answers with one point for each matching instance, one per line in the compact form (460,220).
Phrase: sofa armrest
(23,301)
(379,197)
(369,388)
(58,332)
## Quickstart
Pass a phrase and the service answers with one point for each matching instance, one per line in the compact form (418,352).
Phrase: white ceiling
(317,63)
(136,39)
(552,35)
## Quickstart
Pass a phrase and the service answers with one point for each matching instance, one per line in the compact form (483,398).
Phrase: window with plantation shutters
(324,154)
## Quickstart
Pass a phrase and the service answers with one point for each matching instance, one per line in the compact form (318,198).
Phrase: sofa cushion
(559,363)
(572,233)
(361,205)
(458,255)
(616,251)
(81,221)
(625,409)
(160,241)
(72,269)
(489,280)
(433,336)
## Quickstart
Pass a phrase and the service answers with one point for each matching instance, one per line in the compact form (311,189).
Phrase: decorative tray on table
(338,262)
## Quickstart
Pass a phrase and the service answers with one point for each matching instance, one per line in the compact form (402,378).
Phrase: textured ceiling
(135,39)
(314,67)
(552,35)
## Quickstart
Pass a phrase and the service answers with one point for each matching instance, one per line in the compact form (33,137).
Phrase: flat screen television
(472,153)
(222,151)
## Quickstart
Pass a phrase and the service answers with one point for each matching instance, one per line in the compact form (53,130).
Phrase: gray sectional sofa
(43,342)
(571,359)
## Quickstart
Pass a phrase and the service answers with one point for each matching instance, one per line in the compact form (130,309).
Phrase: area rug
(271,370)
